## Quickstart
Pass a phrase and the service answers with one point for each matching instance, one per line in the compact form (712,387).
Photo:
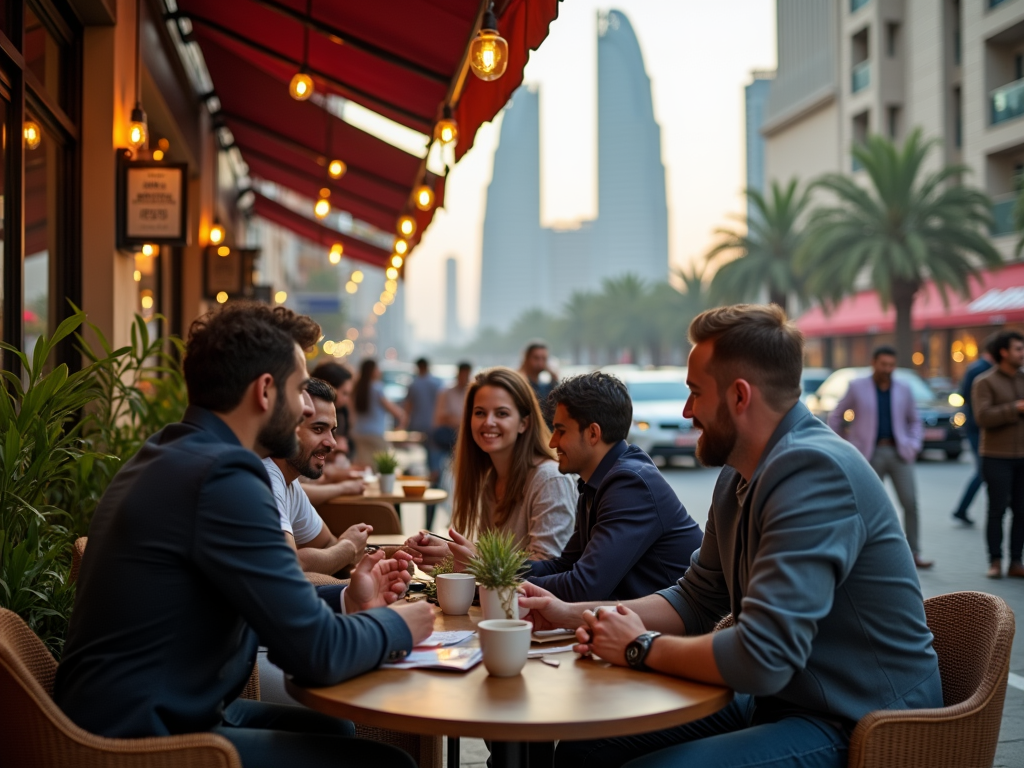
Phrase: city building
(850,68)
(755,99)
(452,328)
(526,266)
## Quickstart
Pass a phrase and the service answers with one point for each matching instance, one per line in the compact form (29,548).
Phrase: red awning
(404,61)
(315,232)
(998,299)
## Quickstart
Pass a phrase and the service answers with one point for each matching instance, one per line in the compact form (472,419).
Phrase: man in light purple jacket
(886,429)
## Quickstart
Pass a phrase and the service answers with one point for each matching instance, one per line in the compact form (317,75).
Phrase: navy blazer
(632,536)
(186,566)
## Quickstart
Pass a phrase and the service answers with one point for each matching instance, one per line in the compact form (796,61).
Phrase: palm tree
(766,252)
(900,229)
(581,324)
(623,300)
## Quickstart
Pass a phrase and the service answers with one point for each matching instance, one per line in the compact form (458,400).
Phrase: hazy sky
(698,55)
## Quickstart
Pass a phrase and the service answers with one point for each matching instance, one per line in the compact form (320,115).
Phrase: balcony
(860,76)
(1002,215)
(1008,102)
(857,4)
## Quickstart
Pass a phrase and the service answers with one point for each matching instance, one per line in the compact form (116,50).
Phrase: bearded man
(802,546)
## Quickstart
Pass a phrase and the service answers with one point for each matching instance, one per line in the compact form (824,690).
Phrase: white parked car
(658,425)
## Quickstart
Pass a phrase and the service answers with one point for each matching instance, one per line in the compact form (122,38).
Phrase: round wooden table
(430,496)
(580,699)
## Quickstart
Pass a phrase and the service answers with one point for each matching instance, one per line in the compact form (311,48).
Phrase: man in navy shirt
(632,534)
(187,570)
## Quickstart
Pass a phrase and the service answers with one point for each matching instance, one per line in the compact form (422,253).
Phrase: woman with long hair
(506,476)
(370,408)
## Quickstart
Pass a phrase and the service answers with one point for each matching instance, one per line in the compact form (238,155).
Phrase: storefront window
(43,56)
(41,236)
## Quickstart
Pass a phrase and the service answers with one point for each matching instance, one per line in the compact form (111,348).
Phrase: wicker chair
(37,734)
(381,515)
(973,634)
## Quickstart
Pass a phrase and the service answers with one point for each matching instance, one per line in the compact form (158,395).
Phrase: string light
(148,249)
(488,53)
(424,197)
(281,297)
(158,155)
(223,251)
(401,246)
(321,208)
(216,234)
(407,226)
(138,130)
(33,134)
(336,169)
(222,297)
(392,273)
(357,276)
(379,309)
(446,130)
(396,260)
(336,252)
(351,287)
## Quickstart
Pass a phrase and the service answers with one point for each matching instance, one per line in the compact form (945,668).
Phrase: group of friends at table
(188,572)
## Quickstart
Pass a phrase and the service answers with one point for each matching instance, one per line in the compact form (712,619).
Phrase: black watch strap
(636,651)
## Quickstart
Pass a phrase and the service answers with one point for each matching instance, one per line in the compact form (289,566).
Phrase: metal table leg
(453,752)
(510,754)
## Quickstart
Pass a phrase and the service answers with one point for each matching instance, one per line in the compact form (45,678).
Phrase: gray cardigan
(810,559)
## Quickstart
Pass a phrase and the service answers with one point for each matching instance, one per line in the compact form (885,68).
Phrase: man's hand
(351,488)
(427,549)
(463,550)
(545,610)
(357,534)
(418,616)
(608,633)
(377,582)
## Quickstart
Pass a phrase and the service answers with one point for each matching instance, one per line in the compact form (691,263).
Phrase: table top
(580,699)
(430,496)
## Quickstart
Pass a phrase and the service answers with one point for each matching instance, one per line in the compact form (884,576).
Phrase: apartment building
(954,68)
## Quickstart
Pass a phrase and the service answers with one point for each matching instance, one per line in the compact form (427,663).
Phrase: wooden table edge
(429,725)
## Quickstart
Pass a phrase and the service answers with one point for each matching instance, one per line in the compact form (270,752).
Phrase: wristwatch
(636,651)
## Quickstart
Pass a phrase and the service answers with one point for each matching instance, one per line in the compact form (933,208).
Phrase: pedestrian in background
(448,413)
(420,403)
(371,410)
(535,362)
(972,430)
(887,431)
(998,402)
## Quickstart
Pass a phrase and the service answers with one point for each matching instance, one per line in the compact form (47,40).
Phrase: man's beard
(717,440)
(278,435)
(302,462)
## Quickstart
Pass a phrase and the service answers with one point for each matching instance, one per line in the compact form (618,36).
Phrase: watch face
(633,652)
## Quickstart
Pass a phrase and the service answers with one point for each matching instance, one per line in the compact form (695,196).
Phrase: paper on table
(545,651)
(454,659)
(445,639)
(552,635)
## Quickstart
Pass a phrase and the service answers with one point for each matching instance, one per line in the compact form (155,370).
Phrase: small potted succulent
(386,465)
(498,566)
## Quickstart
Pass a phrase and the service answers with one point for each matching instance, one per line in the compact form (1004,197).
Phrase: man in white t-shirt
(319,550)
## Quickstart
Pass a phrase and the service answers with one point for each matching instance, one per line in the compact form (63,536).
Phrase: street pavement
(960,563)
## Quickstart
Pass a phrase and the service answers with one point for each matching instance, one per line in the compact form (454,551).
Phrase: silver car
(658,400)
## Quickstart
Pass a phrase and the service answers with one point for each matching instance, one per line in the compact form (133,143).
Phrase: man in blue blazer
(188,571)
(887,430)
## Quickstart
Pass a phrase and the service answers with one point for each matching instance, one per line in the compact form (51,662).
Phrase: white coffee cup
(505,643)
(455,592)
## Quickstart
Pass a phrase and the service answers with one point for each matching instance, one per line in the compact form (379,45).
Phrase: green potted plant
(498,566)
(386,464)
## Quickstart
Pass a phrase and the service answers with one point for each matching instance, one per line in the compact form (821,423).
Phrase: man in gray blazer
(805,550)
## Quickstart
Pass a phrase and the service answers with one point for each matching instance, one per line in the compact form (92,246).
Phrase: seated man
(632,534)
(187,567)
(804,548)
(319,550)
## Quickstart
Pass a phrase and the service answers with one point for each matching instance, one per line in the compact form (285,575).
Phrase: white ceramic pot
(506,645)
(387,484)
(492,603)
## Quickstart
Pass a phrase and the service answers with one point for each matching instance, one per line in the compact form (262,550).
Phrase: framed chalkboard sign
(152,203)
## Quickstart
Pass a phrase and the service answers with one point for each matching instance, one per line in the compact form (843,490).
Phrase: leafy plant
(499,565)
(385,462)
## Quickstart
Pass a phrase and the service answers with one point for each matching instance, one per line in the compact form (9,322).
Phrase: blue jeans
(274,735)
(974,438)
(726,739)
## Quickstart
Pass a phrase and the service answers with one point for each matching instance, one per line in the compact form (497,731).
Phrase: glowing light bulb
(488,54)
(407,226)
(137,276)
(336,169)
(147,302)
(391,286)
(138,129)
(222,297)
(392,273)
(336,252)
(379,309)
(223,251)
(301,86)
(357,276)
(447,131)
(396,260)
(424,198)
(281,297)
(322,208)
(148,249)
(351,287)
(216,234)
(329,347)
(401,246)
(33,134)
(158,155)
